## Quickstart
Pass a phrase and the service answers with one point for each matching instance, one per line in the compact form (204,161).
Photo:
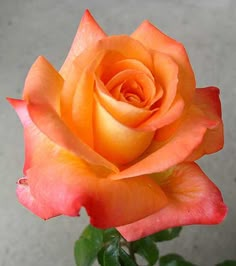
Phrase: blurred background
(30,28)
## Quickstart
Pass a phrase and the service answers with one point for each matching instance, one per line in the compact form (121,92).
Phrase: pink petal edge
(193,199)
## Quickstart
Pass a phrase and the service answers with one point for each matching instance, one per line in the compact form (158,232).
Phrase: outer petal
(207,99)
(43,84)
(67,93)
(36,143)
(163,155)
(64,183)
(58,183)
(88,33)
(25,198)
(49,123)
(154,39)
(193,199)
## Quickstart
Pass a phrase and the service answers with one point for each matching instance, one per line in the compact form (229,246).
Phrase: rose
(116,130)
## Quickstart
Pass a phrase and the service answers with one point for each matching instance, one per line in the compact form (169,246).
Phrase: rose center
(132,86)
(132,92)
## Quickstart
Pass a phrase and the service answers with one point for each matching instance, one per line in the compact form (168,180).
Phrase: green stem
(131,251)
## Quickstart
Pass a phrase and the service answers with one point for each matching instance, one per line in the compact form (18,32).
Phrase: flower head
(117,130)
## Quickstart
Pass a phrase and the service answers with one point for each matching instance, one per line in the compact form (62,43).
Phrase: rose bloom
(117,131)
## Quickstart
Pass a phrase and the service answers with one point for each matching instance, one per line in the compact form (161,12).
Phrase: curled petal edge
(193,199)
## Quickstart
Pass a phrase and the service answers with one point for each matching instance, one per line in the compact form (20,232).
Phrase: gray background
(29,28)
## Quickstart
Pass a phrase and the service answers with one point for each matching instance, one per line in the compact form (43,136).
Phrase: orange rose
(116,130)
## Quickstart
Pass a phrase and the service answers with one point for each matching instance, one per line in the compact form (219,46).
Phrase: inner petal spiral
(132,86)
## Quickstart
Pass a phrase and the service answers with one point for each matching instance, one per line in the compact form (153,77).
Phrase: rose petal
(50,124)
(125,113)
(163,155)
(121,46)
(25,198)
(141,80)
(122,65)
(193,199)
(88,33)
(67,94)
(171,105)
(36,143)
(128,47)
(82,114)
(116,48)
(65,183)
(39,151)
(166,73)
(155,40)
(78,89)
(109,71)
(207,99)
(43,84)
(82,108)
(156,121)
(116,142)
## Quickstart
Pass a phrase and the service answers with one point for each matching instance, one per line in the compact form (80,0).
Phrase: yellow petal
(43,84)
(116,142)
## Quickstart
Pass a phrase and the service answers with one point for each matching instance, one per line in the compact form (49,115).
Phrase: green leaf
(146,248)
(109,254)
(88,245)
(174,260)
(227,263)
(93,234)
(166,235)
(126,259)
(110,234)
